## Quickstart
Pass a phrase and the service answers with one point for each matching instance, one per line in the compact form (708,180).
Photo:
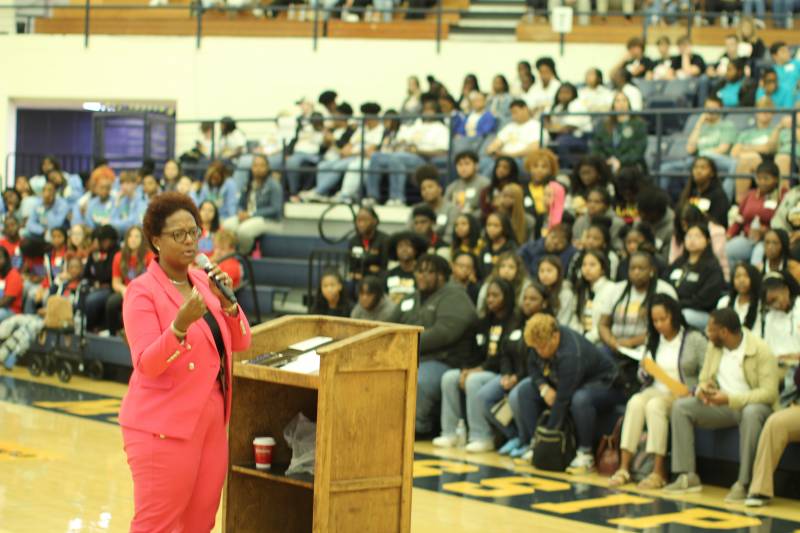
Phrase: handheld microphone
(204,263)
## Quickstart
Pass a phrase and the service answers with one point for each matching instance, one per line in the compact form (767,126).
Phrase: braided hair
(625,297)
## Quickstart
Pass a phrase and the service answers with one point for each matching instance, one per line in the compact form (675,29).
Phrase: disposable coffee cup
(262,448)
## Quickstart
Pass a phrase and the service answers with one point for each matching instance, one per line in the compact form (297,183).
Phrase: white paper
(636,355)
(310,344)
(308,363)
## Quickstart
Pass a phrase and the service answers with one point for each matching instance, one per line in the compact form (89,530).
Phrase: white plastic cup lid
(264,441)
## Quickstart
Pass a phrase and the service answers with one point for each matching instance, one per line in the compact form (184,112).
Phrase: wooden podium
(363,402)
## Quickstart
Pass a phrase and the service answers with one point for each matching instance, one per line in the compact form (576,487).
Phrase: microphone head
(202,261)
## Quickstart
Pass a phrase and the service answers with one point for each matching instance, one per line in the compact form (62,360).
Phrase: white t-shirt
(782,330)
(730,374)
(517,137)
(426,136)
(373,137)
(309,140)
(583,123)
(634,96)
(599,98)
(668,358)
(741,311)
(232,141)
(539,96)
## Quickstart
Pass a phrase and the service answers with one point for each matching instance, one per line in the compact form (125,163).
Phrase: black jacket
(719,204)
(491,338)
(577,362)
(699,286)
(366,257)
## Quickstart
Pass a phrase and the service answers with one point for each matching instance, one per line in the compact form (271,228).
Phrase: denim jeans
(429,393)
(351,184)
(781,11)
(398,165)
(491,393)
(329,173)
(739,248)
(96,308)
(479,428)
(760,5)
(5,312)
(587,401)
(294,174)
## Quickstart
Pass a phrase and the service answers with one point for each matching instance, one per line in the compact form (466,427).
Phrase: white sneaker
(582,464)
(445,441)
(528,456)
(480,446)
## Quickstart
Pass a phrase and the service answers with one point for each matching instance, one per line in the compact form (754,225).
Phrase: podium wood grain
(363,403)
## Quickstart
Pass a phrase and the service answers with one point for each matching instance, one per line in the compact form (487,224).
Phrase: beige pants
(651,406)
(782,427)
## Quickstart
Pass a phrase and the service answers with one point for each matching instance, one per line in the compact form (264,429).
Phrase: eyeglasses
(180,234)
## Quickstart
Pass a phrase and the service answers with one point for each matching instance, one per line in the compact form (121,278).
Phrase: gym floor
(62,469)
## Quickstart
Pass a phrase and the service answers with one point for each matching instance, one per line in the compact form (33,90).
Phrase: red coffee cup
(262,447)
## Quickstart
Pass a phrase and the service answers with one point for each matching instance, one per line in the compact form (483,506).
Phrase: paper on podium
(310,344)
(308,363)
(677,388)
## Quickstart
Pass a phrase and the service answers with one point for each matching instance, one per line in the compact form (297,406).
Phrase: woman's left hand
(225,279)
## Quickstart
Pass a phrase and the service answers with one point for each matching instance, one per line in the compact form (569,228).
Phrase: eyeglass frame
(175,234)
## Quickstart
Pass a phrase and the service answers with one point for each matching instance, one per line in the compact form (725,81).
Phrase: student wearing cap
(432,193)
(404,247)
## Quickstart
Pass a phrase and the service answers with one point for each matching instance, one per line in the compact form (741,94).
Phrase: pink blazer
(171,381)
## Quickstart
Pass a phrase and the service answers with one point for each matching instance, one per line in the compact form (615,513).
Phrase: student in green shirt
(621,139)
(751,145)
(781,141)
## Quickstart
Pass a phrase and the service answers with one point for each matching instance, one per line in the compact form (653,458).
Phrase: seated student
(654,212)
(432,194)
(209,225)
(11,204)
(777,252)
(128,207)
(150,188)
(467,237)
(98,274)
(218,188)
(373,304)
(465,192)
(449,319)
(331,298)
(751,218)
(712,136)
(780,325)
(555,243)
(623,312)
(499,237)
(170,175)
(478,125)
(545,198)
(511,205)
(514,368)
(744,296)
(551,274)
(10,287)
(23,187)
(598,204)
(510,268)
(56,256)
(499,320)
(306,148)
(48,212)
(505,171)
(751,146)
(704,190)
(516,139)
(129,262)
(567,374)
(782,138)
(417,144)
(630,181)
(224,256)
(465,274)
(622,82)
(679,351)
(12,241)
(697,277)
(404,247)
(594,95)
(260,207)
(638,238)
(781,428)
(687,64)
(589,173)
(782,87)
(570,132)
(621,139)
(591,279)
(736,89)
(737,387)
(369,246)
(596,237)
(634,60)
(99,208)
(424,225)
(690,215)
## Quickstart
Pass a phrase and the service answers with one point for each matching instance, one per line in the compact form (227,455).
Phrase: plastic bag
(301,436)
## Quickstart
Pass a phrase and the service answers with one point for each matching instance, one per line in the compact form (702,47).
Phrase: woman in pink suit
(181,331)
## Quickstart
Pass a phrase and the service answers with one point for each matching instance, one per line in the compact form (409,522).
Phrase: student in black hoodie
(704,190)
(97,275)
(499,323)
(369,246)
(697,277)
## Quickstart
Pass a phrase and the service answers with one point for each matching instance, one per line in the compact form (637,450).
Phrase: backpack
(554,449)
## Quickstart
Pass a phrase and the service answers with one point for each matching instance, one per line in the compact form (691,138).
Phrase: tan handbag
(58,313)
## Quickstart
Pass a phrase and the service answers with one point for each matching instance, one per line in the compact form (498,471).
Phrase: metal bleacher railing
(318,15)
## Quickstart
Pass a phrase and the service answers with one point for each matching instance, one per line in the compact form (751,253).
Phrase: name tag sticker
(770,204)
(470,193)
(693,277)
(407,305)
(441,220)
(676,275)
(480,339)
(703,204)
(528,201)
(487,257)
(515,335)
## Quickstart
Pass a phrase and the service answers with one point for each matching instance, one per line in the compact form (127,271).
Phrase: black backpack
(554,449)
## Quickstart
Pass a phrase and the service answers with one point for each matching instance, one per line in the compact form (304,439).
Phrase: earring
(158,249)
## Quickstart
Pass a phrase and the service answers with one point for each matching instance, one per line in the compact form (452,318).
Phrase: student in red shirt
(129,262)
(225,245)
(53,266)
(11,240)
(10,287)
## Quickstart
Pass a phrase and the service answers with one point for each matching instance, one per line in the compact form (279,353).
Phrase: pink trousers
(177,483)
